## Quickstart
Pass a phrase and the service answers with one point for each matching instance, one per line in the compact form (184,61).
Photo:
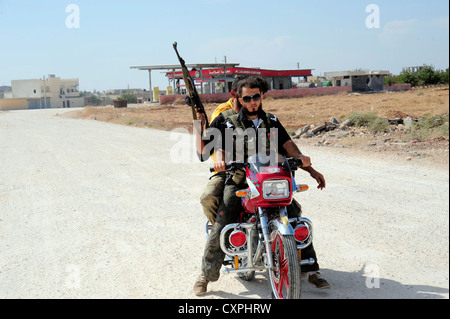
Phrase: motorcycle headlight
(276,189)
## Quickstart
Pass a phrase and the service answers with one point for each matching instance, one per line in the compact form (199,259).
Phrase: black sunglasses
(248,99)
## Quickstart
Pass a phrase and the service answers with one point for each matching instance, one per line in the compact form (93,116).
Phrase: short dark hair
(254,82)
(235,84)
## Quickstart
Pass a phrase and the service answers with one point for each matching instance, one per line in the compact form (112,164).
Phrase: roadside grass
(430,127)
(371,121)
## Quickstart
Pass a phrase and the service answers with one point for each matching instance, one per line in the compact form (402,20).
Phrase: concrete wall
(341,81)
(292,93)
(282,83)
(25,103)
(368,83)
(26,89)
(308,92)
(397,87)
(73,102)
(376,83)
(14,104)
(360,83)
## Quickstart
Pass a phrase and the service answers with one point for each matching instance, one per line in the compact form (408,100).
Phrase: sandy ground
(90,209)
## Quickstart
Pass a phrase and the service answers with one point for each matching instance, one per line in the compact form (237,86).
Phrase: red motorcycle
(265,238)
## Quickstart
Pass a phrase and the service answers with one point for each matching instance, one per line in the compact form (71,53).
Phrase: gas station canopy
(225,72)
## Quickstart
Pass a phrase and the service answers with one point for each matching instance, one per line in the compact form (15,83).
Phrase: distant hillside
(5,88)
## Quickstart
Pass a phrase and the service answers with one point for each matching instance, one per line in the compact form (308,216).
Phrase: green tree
(408,78)
(428,76)
(443,77)
(130,97)
(94,100)
(390,80)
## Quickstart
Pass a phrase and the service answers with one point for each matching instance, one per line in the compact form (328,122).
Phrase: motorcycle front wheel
(285,277)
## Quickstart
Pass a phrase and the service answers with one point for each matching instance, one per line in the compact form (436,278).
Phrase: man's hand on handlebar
(306,160)
(219,166)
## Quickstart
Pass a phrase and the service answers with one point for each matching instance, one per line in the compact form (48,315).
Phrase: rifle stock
(193,100)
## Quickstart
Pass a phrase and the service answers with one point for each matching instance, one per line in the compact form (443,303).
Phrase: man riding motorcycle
(251,93)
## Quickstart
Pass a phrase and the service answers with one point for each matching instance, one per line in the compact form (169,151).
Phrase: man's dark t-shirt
(221,128)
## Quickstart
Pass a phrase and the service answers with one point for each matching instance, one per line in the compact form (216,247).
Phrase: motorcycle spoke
(280,288)
(284,272)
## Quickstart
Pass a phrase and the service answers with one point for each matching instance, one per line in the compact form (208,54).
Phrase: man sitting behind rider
(251,116)
(213,193)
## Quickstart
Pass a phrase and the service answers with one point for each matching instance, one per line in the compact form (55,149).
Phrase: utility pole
(45,94)
(225,74)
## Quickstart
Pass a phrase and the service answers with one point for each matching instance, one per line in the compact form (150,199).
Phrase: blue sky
(116,34)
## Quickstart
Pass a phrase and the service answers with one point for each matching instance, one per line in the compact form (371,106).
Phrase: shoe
(316,279)
(200,286)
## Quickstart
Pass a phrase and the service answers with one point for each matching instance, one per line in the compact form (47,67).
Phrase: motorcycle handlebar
(294,163)
(231,166)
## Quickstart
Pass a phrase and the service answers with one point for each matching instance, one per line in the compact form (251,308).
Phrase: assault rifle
(193,100)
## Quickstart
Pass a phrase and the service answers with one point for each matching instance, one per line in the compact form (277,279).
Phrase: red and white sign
(209,73)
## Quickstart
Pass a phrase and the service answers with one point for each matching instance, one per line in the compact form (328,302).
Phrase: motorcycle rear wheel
(285,278)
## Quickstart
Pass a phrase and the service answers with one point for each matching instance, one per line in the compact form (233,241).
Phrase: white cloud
(413,42)
(396,31)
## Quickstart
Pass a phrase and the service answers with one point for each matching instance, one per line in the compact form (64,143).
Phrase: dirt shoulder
(397,143)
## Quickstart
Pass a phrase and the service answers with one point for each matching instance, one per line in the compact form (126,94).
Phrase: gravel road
(96,210)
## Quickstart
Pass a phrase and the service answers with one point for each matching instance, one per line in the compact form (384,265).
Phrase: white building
(51,92)
(360,81)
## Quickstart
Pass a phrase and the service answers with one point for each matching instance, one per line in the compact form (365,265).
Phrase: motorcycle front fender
(283,227)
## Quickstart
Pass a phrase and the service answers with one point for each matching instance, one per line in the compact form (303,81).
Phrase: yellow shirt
(221,108)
